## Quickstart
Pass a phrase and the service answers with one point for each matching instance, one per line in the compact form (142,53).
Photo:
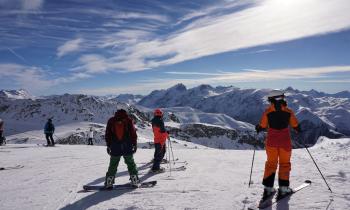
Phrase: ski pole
(317,168)
(171,147)
(168,155)
(251,169)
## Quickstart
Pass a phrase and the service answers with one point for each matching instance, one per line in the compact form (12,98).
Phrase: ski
(164,161)
(45,145)
(181,168)
(119,187)
(11,167)
(263,204)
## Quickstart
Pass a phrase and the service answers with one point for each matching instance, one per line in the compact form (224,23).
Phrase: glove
(258,128)
(108,150)
(298,129)
(168,132)
(134,148)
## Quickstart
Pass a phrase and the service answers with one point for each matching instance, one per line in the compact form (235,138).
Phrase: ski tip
(308,181)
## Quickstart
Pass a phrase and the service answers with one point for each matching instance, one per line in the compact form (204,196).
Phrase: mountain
(210,116)
(69,111)
(128,98)
(27,114)
(16,94)
(329,112)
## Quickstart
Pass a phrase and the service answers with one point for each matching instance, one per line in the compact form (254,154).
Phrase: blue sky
(136,46)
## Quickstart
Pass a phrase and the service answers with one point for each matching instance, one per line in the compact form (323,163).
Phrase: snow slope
(52,178)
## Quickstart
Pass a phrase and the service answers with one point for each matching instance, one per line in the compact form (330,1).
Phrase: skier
(121,140)
(160,136)
(276,119)
(49,131)
(91,136)
(2,138)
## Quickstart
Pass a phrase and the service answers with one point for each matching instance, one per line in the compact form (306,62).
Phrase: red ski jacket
(278,122)
(160,134)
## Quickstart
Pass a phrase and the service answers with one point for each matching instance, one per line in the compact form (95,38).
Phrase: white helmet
(276,93)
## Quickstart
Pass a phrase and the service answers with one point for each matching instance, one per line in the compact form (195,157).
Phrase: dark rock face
(190,131)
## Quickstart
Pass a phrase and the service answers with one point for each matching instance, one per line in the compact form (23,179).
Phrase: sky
(136,46)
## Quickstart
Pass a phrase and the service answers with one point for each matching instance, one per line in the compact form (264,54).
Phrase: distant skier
(276,119)
(160,136)
(91,136)
(2,137)
(121,140)
(49,130)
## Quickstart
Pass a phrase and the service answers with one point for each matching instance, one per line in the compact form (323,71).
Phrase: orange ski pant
(278,156)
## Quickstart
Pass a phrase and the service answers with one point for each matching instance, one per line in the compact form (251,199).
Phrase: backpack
(49,127)
(121,130)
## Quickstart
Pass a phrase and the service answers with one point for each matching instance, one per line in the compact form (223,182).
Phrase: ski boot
(268,192)
(135,182)
(157,171)
(109,182)
(284,191)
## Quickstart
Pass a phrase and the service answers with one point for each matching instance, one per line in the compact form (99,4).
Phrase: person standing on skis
(121,140)
(276,119)
(49,130)
(2,137)
(160,136)
(91,136)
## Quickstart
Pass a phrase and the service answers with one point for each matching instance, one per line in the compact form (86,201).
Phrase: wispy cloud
(265,22)
(69,47)
(331,81)
(313,74)
(24,5)
(17,55)
(33,78)
(32,4)
(196,73)
(278,74)
(260,51)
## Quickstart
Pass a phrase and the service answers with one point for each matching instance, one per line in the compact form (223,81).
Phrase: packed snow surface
(52,178)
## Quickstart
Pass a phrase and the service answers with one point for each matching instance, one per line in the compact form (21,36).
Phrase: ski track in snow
(52,178)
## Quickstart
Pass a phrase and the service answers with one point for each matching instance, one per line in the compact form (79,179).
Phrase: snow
(191,115)
(16,94)
(52,178)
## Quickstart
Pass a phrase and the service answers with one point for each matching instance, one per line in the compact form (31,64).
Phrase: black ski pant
(48,138)
(158,155)
(90,141)
(1,138)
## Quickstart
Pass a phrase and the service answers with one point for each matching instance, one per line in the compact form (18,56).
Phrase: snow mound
(342,143)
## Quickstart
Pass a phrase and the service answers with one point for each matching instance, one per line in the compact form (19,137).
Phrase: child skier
(49,131)
(121,140)
(160,136)
(276,119)
(91,136)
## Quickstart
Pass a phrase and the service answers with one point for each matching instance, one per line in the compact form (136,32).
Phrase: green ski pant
(114,162)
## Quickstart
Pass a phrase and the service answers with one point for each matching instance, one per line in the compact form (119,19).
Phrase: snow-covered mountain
(328,113)
(128,98)
(27,114)
(16,94)
(202,114)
